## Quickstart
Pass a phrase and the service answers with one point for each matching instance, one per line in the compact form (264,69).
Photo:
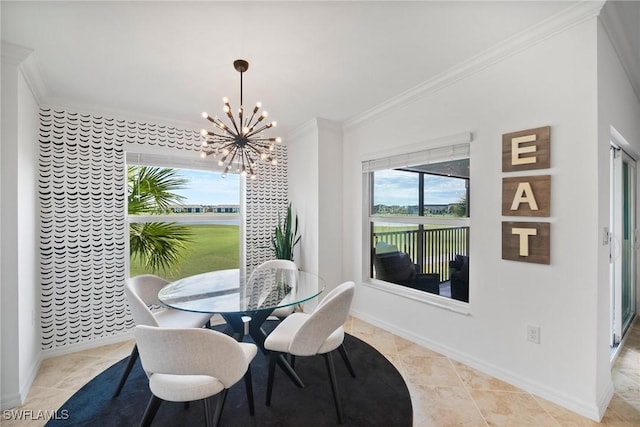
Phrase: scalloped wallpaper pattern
(82,193)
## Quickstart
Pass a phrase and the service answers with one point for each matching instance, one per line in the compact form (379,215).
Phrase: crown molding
(316,125)
(25,59)
(304,129)
(555,24)
(14,54)
(629,57)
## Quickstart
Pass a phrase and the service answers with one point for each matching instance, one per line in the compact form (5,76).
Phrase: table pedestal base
(235,327)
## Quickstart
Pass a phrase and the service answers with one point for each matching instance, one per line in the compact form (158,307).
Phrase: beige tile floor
(443,391)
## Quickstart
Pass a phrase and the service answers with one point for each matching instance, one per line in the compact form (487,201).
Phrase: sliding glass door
(623,242)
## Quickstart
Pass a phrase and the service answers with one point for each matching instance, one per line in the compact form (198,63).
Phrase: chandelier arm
(259,119)
(241,162)
(224,139)
(250,157)
(229,137)
(231,144)
(254,149)
(224,127)
(233,156)
(262,143)
(253,114)
(233,121)
(255,132)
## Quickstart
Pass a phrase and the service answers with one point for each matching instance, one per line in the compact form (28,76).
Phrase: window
(182,221)
(418,220)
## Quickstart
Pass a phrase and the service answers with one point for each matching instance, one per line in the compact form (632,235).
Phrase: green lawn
(214,247)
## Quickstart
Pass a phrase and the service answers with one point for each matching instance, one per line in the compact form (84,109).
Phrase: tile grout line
(468,392)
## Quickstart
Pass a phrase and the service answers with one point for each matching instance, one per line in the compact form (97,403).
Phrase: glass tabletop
(224,292)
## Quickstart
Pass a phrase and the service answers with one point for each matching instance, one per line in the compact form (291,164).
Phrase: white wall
(315,190)
(9,374)
(19,262)
(330,206)
(28,226)
(302,153)
(552,82)
(619,107)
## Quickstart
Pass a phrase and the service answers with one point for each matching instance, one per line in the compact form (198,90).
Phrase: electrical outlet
(533,334)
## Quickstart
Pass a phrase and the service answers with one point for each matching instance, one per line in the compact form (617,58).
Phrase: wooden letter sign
(526,241)
(526,196)
(526,149)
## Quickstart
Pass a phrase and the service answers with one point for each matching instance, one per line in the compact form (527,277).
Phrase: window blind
(412,157)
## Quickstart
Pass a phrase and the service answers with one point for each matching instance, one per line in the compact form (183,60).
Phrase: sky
(391,188)
(401,188)
(209,188)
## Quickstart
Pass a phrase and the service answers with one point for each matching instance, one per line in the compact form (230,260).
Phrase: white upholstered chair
(282,264)
(142,296)
(320,332)
(185,365)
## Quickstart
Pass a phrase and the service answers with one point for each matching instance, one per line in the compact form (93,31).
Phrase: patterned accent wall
(82,192)
(267,197)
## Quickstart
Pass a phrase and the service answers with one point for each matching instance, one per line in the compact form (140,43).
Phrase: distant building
(201,209)
(437,209)
(225,209)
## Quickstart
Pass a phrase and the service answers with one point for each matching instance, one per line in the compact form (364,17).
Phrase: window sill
(424,297)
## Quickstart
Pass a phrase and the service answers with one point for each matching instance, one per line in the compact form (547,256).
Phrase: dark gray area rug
(378,396)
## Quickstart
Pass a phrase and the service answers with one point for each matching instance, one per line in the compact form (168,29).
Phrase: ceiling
(172,60)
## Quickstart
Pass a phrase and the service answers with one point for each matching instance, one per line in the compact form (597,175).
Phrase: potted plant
(286,236)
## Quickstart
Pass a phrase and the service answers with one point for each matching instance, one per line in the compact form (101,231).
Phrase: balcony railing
(431,249)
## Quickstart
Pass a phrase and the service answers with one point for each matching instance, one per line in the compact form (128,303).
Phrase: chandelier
(239,145)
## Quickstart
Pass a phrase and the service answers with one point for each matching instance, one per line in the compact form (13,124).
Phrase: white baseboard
(85,345)
(17,399)
(10,401)
(586,409)
(605,399)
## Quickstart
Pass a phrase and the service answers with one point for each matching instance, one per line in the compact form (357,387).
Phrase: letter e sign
(526,149)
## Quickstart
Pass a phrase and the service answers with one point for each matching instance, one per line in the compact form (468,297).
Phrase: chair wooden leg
(291,373)
(334,385)
(222,397)
(248,384)
(345,357)
(292,361)
(125,374)
(273,358)
(150,412)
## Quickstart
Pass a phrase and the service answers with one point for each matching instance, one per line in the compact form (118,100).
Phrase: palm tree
(158,245)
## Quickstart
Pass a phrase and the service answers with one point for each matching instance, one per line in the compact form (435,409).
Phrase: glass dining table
(224,292)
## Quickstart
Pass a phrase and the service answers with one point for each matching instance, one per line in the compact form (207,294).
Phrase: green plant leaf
(286,236)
